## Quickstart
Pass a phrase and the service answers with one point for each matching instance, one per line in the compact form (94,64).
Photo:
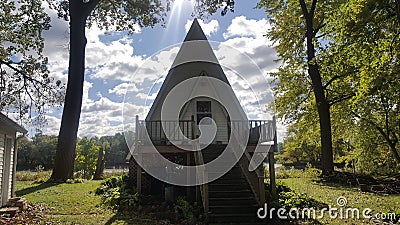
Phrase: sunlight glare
(180,12)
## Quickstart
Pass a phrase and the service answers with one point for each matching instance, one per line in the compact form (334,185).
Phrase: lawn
(76,204)
(329,193)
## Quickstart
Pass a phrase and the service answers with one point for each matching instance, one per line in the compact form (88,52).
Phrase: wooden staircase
(230,198)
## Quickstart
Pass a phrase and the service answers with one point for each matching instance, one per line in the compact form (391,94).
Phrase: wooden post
(193,128)
(138,169)
(188,194)
(271,163)
(261,188)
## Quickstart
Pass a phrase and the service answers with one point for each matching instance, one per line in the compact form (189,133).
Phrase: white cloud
(243,27)
(115,59)
(122,88)
(56,46)
(146,96)
(208,28)
(51,126)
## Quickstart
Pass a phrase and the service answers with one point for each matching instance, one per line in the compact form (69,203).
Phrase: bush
(86,158)
(288,198)
(75,181)
(311,172)
(35,176)
(308,172)
(116,192)
(190,213)
(107,174)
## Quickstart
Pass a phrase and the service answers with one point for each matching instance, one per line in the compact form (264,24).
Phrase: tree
(25,84)
(119,15)
(367,35)
(101,161)
(297,28)
(39,151)
(86,157)
(356,50)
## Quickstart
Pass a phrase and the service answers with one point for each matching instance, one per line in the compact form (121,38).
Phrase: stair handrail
(256,178)
(200,173)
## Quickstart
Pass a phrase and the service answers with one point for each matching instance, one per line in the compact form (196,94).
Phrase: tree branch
(313,7)
(339,99)
(332,79)
(304,8)
(316,30)
(90,6)
(320,36)
(24,75)
(392,144)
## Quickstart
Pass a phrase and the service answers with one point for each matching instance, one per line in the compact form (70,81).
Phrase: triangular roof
(195,58)
(195,32)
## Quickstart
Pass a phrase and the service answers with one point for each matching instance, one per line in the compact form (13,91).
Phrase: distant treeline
(40,151)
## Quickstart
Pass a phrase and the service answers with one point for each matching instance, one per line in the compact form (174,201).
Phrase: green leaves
(25,83)
(86,157)
(357,51)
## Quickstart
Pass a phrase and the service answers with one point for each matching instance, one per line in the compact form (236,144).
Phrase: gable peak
(195,32)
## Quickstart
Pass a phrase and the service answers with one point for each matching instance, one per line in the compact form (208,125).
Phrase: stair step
(244,201)
(10,211)
(231,200)
(231,194)
(225,181)
(239,223)
(224,187)
(234,209)
(233,218)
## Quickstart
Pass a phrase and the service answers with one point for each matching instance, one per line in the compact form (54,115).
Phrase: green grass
(329,193)
(76,204)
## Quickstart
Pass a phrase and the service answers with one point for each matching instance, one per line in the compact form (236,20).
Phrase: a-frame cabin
(236,196)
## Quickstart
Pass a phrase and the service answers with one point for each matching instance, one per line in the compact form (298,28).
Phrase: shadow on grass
(132,218)
(337,185)
(38,187)
(356,182)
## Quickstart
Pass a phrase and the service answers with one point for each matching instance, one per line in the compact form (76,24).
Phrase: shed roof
(11,123)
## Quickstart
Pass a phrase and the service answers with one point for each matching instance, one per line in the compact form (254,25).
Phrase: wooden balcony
(182,131)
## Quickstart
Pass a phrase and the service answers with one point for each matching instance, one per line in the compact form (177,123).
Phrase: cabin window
(203,110)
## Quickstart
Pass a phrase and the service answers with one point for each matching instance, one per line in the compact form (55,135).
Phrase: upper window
(203,111)
(204,107)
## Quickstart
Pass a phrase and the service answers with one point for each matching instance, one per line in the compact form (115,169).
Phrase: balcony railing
(183,130)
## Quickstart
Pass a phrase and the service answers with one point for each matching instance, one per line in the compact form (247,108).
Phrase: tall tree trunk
(65,153)
(318,89)
(99,165)
(395,152)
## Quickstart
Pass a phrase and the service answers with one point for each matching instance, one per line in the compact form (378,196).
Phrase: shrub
(37,177)
(288,198)
(75,181)
(308,172)
(116,192)
(189,213)
(107,174)
(311,172)
(86,158)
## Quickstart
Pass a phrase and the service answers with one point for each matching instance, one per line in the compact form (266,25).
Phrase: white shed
(8,156)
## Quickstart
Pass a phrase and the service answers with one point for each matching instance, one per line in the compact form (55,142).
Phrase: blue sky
(113,57)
